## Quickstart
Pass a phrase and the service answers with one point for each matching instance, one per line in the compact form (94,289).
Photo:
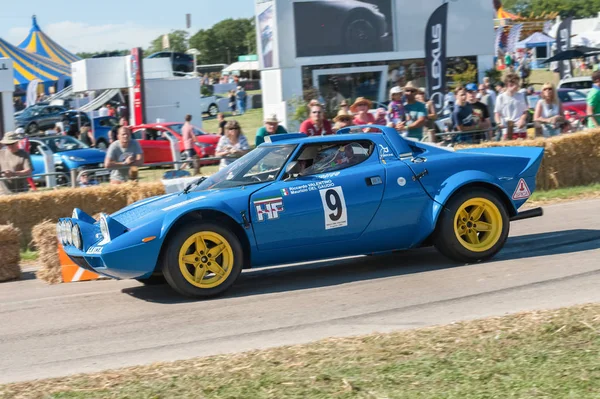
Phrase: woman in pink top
(360,109)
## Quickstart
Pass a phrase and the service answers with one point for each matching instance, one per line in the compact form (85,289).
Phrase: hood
(90,155)
(178,203)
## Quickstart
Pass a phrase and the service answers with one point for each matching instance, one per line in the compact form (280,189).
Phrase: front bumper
(126,255)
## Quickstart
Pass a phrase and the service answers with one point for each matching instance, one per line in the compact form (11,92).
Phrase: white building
(304,44)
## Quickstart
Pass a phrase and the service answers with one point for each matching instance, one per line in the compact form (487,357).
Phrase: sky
(93,26)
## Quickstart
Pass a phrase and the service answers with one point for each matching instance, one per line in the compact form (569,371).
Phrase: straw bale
(10,252)
(569,160)
(28,209)
(44,240)
(142,191)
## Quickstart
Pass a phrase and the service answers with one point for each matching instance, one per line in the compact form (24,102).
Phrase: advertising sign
(266,27)
(435,56)
(137,72)
(325,27)
(563,41)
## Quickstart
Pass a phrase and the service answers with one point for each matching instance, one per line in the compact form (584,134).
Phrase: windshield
(177,129)
(63,144)
(577,96)
(31,111)
(258,166)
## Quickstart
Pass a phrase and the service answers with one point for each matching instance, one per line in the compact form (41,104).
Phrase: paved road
(46,331)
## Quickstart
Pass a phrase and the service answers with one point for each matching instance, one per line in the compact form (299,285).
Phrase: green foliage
(466,76)
(177,42)
(206,91)
(576,8)
(225,41)
(494,75)
(90,55)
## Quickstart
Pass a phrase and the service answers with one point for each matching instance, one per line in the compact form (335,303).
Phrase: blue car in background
(69,154)
(297,198)
(101,125)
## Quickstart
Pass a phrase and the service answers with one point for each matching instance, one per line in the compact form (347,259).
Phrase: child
(396,112)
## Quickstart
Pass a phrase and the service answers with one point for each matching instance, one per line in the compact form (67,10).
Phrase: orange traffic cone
(70,271)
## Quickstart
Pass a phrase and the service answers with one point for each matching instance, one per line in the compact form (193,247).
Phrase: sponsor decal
(385,151)
(94,250)
(334,207)
(312,186)
(268,208)
(401,181)
(285,191)
(522,191)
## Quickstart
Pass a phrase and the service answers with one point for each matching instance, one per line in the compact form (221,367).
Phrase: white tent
(242,66)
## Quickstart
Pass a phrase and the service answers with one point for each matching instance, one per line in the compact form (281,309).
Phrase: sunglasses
(548,89)
(410,91)
(316,112)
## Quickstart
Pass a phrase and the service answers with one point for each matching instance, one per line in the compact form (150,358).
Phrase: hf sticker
(334,208)
(268,208)
(522,191)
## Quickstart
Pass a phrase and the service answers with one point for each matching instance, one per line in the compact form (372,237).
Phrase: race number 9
(334,207)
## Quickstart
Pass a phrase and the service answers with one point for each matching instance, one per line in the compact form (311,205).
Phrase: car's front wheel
(202,260)
(213,110)
(473,226)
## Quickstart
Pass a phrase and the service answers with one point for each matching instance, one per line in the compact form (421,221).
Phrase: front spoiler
(529,213)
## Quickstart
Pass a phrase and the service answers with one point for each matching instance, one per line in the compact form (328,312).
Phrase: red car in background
(574,104)
(157,147)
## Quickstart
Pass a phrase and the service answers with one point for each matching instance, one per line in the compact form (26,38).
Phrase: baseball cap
(471,87)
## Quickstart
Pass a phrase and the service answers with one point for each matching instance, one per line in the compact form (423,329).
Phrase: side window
(329,157)
(138,134)
(33,148)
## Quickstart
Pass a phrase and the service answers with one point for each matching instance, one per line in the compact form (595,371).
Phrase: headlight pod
(202,145)
(68,228)
(76,237)
(110,229)
(104,229)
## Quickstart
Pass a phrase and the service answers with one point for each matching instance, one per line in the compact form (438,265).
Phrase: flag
(563,43)
(499,32)
(513,38)
(435,56)
(284,191)
(165,41)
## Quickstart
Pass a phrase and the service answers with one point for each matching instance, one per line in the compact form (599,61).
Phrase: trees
(177,42)
(225,41)
(575,8)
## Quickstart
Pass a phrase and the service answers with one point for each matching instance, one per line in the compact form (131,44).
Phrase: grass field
(250,122)
(543,354)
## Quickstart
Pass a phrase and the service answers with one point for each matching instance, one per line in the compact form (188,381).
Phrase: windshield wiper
(194,184)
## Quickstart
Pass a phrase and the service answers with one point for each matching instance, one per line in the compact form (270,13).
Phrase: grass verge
(29,255)
(250,122)
(563,194)
(545,354)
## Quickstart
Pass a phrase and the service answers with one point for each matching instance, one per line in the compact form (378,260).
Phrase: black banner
(435,56)
(563,43)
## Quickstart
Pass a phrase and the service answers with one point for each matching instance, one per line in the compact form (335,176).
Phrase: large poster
(435,56)
(335,27)
(265,26)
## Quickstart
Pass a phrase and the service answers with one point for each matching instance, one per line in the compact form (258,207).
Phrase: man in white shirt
(511,109)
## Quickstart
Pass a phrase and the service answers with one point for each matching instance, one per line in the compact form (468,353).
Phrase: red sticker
(522,191)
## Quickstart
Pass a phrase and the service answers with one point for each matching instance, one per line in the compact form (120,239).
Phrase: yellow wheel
(473,227)
(202,259)
(206,259)
(478,224)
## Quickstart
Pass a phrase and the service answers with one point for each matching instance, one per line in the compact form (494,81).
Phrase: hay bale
(10,252)
(44,239)
(26,210)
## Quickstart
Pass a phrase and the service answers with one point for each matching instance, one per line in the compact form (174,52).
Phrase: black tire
(32,128)
(101,144)
(445,237)
(170,259)
(62,180)
(213,110)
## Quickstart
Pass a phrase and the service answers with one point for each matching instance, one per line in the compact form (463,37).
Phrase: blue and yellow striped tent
(29,66)
(39,43)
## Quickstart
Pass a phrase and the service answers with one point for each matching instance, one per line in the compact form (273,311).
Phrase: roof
(38,42)
(242,66)
(29,66)
(536,39)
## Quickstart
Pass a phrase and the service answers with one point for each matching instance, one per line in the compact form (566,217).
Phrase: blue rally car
(296,199)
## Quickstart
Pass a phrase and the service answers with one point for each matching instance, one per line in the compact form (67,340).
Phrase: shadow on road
(330,273)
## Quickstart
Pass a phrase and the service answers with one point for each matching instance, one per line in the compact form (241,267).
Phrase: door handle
(373,181)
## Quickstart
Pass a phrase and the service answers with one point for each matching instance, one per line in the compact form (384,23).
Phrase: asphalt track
(47,331)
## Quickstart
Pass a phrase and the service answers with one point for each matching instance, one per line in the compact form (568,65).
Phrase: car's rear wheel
(101,144)
(473,227)
(202,260)
(213,110)
(32,128)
